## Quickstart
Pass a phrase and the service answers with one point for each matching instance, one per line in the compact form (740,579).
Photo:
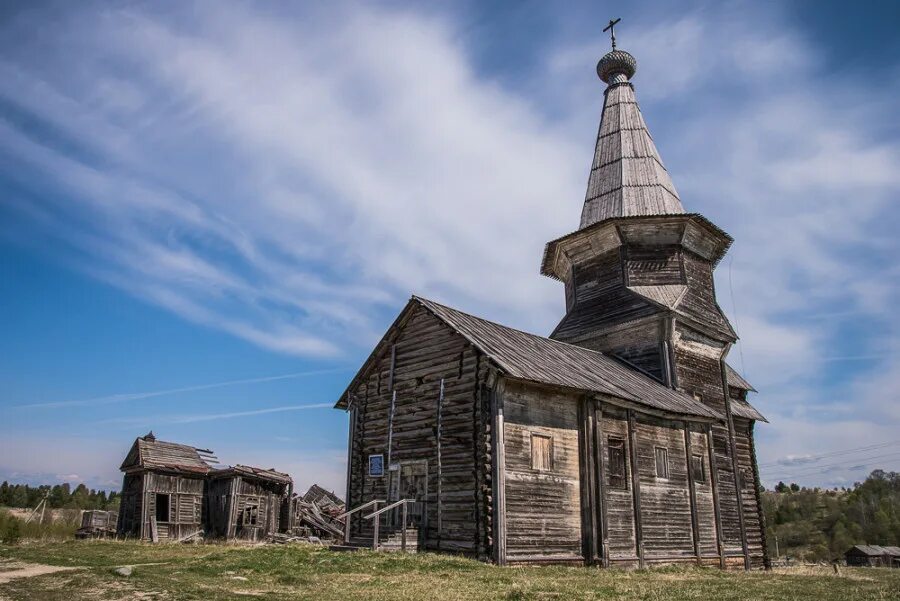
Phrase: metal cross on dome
(612,32)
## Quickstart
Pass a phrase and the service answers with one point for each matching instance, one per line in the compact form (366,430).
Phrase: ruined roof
(627,177)
(735,380)
(534,358)
(151,454)
(248,471)
(316,493)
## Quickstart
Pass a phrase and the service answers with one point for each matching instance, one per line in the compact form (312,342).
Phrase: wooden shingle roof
(736,380)
(534,358)
(248,471)
(875,550)
(628,177)
(149,453)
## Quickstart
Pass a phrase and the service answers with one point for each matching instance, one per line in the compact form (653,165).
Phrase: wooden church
(621,439)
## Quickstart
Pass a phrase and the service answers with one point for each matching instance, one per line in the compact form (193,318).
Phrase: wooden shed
(162,491)
(874,556)
(248,503)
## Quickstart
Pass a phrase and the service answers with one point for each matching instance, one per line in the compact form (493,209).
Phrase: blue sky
(210,211)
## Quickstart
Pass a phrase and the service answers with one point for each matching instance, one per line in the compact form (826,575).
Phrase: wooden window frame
(549,439)
(250,514)
(616,480)
(699,475)
(665,462)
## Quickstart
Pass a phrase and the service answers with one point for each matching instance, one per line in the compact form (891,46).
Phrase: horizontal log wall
(752,509)
(665,502)
(543,519)
(425,351)
(620,527)
(706,515)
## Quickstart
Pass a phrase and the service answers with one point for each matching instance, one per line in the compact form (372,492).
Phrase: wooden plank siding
(543,507)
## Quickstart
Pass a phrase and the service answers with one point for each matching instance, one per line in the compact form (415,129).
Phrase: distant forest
(809,524)
(819,525)
(61,496)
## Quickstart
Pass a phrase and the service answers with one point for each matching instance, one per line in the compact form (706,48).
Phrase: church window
(541,453)
(698,469)
(662,462)
(616,468)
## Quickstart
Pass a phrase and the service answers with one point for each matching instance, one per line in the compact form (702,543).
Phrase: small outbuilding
(874,556)
(97,524)
(162,491)
(248,503)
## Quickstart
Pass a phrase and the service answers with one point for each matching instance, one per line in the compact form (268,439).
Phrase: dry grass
(165,572)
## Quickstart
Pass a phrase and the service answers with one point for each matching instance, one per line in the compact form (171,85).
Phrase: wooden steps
(391,540)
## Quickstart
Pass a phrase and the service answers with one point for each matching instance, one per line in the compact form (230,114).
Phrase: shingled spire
(627,177)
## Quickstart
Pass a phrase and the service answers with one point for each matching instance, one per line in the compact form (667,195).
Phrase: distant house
(874,556)
(170,492)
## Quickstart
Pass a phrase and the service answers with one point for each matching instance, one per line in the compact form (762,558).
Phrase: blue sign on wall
(376,465)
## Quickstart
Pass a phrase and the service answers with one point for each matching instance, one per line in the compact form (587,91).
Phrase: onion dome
(616,63)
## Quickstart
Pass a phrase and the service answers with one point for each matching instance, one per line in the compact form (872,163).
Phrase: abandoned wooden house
(171,492)
(248,503)
(162,490)
(622,439)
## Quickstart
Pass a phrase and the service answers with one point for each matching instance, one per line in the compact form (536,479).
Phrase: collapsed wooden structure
(622,439)
(97,524)
(172,492)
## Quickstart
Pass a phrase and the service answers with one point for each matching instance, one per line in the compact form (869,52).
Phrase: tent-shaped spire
(628,177)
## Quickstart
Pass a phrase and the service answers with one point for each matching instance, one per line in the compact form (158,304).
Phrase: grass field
(309,572)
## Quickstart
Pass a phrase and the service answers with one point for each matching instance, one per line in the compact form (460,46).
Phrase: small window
(251,514)
(541,453)
(662,462)
(616,468)
(162,507)
(698,468)
(698,397)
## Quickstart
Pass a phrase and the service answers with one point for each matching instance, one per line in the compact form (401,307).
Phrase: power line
(825,468)
(814,458)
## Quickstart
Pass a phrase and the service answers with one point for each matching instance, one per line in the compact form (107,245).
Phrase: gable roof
(149,453)
(533,358)
(875,550)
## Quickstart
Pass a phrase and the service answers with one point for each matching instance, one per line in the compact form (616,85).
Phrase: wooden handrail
(363,506)
(347,514)
(391,506)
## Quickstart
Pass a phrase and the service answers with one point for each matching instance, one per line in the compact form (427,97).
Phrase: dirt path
(29,570)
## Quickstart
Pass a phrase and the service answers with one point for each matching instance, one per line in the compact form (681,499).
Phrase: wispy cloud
(209,417)
(134,396)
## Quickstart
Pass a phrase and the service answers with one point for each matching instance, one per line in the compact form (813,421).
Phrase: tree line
(813,524)
(59,496)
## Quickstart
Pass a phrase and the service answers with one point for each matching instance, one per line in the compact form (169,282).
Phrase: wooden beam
(587,473)
(695,526)
(440,499)
(635,491)
(393,364)
(390,437)
(499,472)
(714,483)
(738,485)
(601,482)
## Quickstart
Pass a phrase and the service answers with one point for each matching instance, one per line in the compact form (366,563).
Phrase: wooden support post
(350,435)
(714,483)
(600,459)
(499,472)
(587,473)
(440,500)
(390,440)
(636,490)
(377,523)
(695,526)
(403,530)
(393,364)
(738,485)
